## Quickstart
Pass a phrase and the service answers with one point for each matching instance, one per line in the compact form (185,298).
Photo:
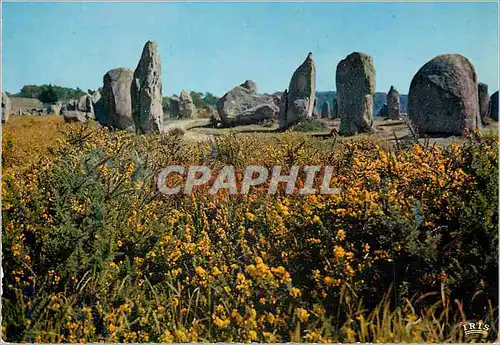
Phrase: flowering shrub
(92,251)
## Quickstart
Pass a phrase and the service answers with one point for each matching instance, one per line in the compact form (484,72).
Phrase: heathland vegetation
(406,253)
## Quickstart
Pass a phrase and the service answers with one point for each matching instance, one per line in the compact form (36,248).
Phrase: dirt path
(196,130)
(188,126)
(184,124)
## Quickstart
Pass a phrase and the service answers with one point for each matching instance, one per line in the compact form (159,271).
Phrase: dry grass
(26,138)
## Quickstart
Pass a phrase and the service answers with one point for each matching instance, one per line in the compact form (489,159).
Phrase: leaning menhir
(301,94)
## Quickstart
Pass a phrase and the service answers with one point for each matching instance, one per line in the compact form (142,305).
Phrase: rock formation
(484,101)
(99,106)
(187,109)
(6,107)
(55,108)
(242,101)
(494,106)
(393,104)
(301,94)
(274,98)
(335,109)
(443,97)
(355,81)
(146,92)
(116,98)
(182,107)
(316,114)
(283,109)
(174,107)
(80,110)
(325,110)
(214,116)
(260,113)
(250,85)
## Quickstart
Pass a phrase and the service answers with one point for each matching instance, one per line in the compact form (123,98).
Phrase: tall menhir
(146,92)
(355,80)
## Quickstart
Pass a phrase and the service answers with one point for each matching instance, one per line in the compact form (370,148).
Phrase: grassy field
(24,103)
(407,252)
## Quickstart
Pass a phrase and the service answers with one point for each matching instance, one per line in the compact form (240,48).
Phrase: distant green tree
(210,99)
(197,99)
(30,91)
(49,95)
(63,93)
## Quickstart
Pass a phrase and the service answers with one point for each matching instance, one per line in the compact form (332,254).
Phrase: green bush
(310,125)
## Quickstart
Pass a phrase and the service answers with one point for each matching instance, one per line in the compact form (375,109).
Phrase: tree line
(48,93)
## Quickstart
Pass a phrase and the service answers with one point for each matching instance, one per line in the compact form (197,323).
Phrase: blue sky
(215,46)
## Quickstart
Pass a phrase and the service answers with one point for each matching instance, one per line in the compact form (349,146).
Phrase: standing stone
(98,106)
(174,107)
(484,101)
(147,110)
(494,106)
(55,108)
(80,110)
(233,106)
(283,109)
(6,107)
(443,97)
(214,116)
(393,104)
(187,109)
(335,109)
(355,82)
(166,109)
(85,105)
(116,98)
(301,94)
(316,114)
(275,98)
(325,110)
